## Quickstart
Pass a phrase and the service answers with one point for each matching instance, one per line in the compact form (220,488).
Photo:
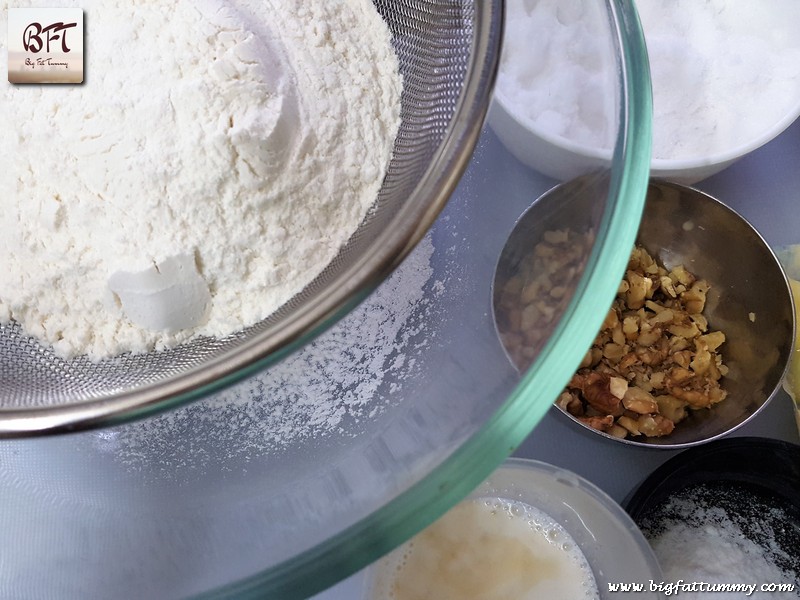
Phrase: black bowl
(767,467)
(756,481)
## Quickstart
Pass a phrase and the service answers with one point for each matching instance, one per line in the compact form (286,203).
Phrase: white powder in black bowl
(723,519)
(727,540)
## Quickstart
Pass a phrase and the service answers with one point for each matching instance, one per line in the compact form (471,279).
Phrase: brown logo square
(45,45)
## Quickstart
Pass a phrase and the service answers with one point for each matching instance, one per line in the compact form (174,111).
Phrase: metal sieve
(448,52)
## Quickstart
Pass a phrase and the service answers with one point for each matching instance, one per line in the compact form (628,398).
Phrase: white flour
(215,160)
(724,71)
(327,388)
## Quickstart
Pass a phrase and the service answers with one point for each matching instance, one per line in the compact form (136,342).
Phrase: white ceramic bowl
(724,84)
(613,545)
(564,159)
(556,157)
(691,170)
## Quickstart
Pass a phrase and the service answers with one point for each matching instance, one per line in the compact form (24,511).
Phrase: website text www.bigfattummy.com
(670,588)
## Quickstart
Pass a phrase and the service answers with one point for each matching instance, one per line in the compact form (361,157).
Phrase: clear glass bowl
(308,471)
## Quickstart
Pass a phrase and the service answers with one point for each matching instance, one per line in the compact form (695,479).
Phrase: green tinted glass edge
(410,512)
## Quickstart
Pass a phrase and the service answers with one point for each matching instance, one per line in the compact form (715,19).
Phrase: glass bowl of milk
(531,530)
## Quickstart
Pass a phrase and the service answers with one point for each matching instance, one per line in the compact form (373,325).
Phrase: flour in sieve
(340,381)
(215,160)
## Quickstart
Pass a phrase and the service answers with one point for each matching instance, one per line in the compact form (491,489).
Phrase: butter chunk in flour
(215,160)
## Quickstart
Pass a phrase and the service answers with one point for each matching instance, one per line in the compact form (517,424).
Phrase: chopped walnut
(655,359)
(656,340)
(538,290)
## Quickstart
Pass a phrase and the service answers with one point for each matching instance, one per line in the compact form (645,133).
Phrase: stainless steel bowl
(750,299)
